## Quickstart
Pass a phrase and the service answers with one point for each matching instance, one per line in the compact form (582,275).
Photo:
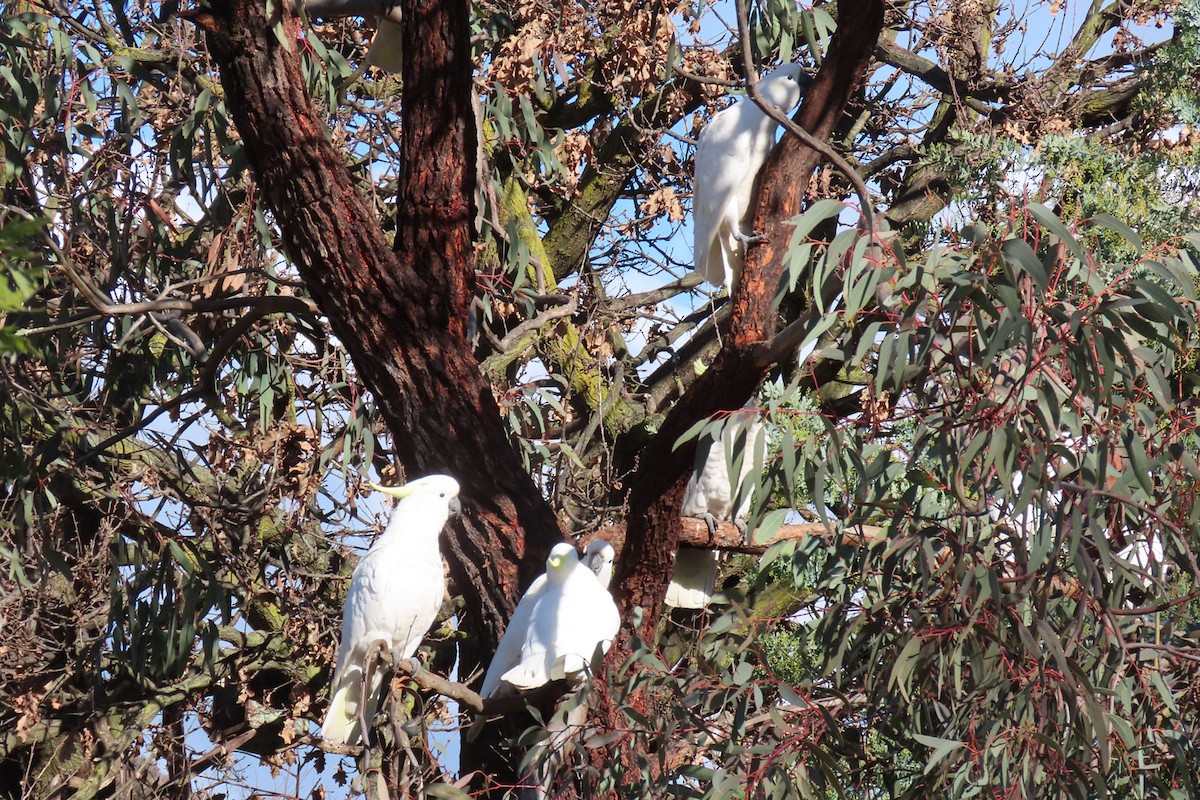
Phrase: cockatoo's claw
(740,524)
(754,237)
(711,522)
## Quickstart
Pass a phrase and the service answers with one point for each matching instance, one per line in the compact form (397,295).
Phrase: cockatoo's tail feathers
(341,720)
(386,47)
(695,576)
(529,674)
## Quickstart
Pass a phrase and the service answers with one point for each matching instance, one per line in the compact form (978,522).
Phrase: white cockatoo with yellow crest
(562,618)
(394,596)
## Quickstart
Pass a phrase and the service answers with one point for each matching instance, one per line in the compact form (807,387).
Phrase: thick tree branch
(695,533)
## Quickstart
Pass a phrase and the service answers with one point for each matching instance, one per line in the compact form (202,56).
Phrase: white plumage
(730,469)
(394,596)
(598,556)
(732,149)
(553,633)
(386,48)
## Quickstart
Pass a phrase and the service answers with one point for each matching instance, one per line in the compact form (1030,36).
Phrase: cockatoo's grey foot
(754,237)
(362,725)
(711,522)
(412,666)
(740,524)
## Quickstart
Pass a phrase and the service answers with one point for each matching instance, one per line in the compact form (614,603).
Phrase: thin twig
(824,148)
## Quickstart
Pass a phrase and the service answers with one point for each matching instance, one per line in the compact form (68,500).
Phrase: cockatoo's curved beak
(455,506)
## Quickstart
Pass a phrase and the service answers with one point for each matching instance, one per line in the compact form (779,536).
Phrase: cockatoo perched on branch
(732,149)
(556,628)
(711,495)
(394,597)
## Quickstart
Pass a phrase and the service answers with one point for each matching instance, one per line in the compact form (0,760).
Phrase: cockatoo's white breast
(394,596)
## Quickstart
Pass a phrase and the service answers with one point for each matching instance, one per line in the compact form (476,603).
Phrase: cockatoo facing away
(598,556)
(711,496)
(394,596)
(732,149)
(385,50)
(556,628)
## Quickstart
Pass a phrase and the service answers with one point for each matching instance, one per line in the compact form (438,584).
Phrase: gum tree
(243,270)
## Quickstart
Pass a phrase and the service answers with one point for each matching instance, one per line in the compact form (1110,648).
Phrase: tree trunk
(401,315)
(656,487)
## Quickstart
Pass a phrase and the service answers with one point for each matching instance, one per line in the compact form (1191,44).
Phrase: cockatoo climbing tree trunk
(402,315)
(750,347)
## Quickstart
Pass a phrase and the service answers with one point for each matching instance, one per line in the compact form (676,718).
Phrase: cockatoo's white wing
(723,156)
(709,492)
(750,467)
(598,556)
(394,597)
(587,619)
(386,46)
(508,652)
(741,452)
(729,154)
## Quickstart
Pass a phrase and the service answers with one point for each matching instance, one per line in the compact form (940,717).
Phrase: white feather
(561,620)
(598,556)
(394,596)
(694,578)
(731,150)
(385,48)
(713,493)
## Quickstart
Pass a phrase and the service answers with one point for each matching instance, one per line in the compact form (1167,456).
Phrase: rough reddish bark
(402,315)
(656,487)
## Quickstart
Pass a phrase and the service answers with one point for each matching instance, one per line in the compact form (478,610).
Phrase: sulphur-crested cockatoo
(711,495)
(394,596)
(556,628)
(598,556)
(732,149)
(385,47)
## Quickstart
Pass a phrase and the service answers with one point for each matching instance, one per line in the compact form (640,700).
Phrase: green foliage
(1172,90)
(1016,630)
(181,439)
